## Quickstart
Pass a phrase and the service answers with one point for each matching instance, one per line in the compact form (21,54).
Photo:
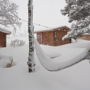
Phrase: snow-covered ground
(18,78)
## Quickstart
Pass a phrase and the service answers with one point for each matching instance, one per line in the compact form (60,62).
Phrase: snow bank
(55,51)
(79,45)
(67,57)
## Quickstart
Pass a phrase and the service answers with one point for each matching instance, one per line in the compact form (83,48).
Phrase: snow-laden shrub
(17,42)
(6,62)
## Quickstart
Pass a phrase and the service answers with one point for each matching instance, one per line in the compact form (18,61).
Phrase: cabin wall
(53,38)
(47,38)
(39,37)
(86,37)
(2,39)
(58,38)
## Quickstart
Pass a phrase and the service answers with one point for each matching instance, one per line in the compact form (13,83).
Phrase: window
(55,35)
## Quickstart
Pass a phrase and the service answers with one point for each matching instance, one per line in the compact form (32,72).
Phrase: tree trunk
(31,64)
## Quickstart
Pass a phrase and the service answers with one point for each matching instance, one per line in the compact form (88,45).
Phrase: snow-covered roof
(62,28)
(4,30)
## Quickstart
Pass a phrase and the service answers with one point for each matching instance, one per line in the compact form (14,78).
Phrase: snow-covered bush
(17,42)
(6,61)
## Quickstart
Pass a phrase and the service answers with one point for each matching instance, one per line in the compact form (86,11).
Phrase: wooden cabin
(3,34)
(84,36)
(53,37)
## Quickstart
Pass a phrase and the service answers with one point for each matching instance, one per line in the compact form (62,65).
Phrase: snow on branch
(78,11)
(8,13)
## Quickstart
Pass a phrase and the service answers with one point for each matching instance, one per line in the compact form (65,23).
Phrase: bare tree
(31,64)
(8,14)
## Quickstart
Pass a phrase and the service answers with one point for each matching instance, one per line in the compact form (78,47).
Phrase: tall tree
(31,64)
(8,14)
(78,12)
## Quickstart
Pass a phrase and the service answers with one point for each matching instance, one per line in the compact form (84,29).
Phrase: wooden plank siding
(85,37)
(39,37)
(53,37)
(47,38)
(2,39)
(58,40)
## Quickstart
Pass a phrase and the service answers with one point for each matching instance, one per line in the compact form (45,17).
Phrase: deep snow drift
(18,78)
(67,57)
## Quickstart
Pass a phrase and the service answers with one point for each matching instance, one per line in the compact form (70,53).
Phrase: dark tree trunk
(31,64)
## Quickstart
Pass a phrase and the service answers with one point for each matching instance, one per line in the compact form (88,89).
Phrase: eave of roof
(49,30)
(4,31)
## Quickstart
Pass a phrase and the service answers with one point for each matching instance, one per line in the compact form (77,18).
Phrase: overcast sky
(45,12)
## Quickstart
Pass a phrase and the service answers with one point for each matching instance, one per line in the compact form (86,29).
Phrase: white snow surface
(67,58)
(18,78)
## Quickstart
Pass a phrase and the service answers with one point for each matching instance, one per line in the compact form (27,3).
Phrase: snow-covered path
(18,78)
